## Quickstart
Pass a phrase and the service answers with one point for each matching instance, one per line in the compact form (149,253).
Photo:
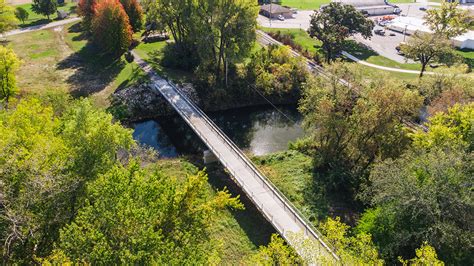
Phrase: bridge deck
(272,204)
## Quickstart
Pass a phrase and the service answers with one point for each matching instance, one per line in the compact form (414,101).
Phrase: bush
(21,14)
(111,28)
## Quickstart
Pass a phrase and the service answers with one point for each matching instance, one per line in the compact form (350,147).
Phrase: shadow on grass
(137,76)
(359,50)
(93,71)
(250,220)
(469,60)
(35,23)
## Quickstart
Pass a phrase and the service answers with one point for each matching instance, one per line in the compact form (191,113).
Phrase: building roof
(274,8)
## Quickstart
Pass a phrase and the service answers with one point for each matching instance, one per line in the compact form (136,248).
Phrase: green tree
(111,28)
(449,20)
(275,71)
(425,255)
(226,33)
(45,7)
(350,127)
(7,17)
(353,250)
(276,253)
(427,48)
(424,196)
(46,159)
(336,22)
(9,63)
(140,216)
(179,16)
(453,128)
(21,14)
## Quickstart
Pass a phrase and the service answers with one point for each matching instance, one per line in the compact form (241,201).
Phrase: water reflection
(150,133)
(259,130)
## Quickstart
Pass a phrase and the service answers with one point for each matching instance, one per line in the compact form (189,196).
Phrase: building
(274,10)
(370,7)
(410,25)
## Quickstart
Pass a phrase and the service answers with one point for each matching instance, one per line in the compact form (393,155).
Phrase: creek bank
(141,102)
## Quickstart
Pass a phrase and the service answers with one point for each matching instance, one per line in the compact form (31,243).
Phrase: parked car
(280,17)
(380,32)
(423,8)
(399,49)
(397,11)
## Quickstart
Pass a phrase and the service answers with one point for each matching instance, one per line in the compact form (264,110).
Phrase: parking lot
(301,20)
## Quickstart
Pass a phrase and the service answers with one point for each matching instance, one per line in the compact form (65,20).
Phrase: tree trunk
(423,68)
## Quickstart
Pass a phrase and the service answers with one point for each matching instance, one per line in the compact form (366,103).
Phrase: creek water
(258,130)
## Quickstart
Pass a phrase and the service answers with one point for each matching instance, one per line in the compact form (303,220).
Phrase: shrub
(21,14)
(111,28)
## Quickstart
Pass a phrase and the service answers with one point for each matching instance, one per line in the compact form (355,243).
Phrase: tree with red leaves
(111,28)
(134,12)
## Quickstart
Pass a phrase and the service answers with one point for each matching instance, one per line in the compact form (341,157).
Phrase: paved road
(42,26)
(274,207)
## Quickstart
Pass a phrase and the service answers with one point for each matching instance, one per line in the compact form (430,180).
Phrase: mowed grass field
(35,19)
(61,59)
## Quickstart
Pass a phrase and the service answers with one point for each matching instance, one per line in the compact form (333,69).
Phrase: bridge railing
(285,202)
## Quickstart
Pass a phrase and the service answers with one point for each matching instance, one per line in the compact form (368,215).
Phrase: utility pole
(271,14)
(405,34)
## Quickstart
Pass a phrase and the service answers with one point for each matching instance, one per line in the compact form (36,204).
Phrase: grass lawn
(35,19)
(300,37)
(291,172)
(468,56)
(239,233)
(62,59)
(305,4)
(152,53)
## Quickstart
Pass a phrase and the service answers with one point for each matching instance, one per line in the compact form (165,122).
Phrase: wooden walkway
(269,201)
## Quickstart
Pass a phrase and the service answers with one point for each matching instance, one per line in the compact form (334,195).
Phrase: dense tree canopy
(45,7)
(276,71)
(85,9)
(336,22)
(350,127)
(134,12)
(426,194)
(141,216)
(45,161)
(111,28)
(7,17)
(449,20)
(209,34)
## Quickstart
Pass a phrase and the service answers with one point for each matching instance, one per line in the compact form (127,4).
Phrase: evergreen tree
(45,7)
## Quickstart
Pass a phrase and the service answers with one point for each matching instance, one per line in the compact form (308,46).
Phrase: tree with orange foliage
(85,9)
(111,28)
(134,12)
